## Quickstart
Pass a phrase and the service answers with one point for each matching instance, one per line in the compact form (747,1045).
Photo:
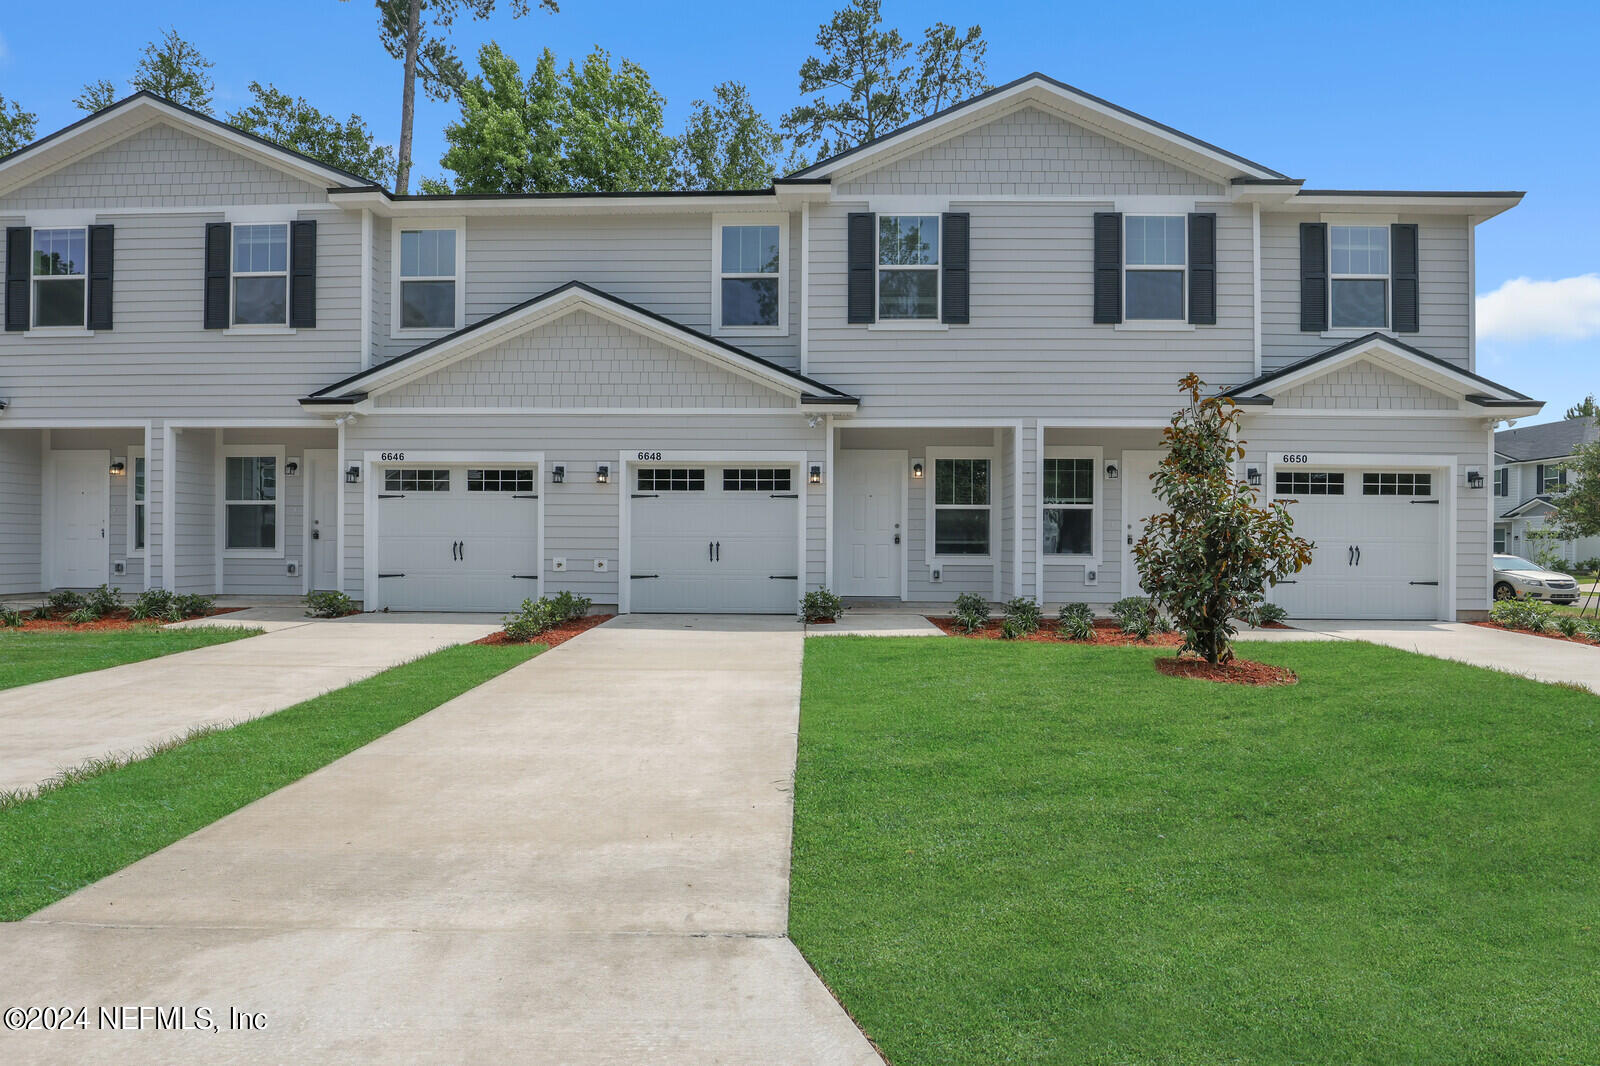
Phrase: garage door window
(409,480)
(755,479)
(1396,484)
(672,479)
(517,480)
(1309,483)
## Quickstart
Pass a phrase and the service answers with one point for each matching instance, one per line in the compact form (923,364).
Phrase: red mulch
(551,637)
(118,619)
(1237,672)
(1106,632)
(1530,633)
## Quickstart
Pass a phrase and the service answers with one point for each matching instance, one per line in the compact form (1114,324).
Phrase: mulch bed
(551,637)
(1237,672)
(122,618)
(1528,632)
(1106,632)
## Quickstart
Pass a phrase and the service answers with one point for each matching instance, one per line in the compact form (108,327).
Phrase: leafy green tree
(413,31)
(292,121)
(1577,503)
(1212,555)
(865,82)
(171,68)
(1587,409)
(16,126)
(96,95)
(727,144)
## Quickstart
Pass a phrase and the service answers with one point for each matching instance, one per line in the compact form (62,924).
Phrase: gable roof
(1551,440)
(133,113)
(1073,103)
(548,306)
(1392,354)
(1529,504)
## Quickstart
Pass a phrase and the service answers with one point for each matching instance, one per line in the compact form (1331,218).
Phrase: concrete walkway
(60,723)
(583,861)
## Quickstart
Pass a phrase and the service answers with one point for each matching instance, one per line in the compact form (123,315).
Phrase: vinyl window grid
(1075,487)
(723,222)
(1376,252)
(963,481)
(1396,483)
(1309,483)
(138,508)
(672,479)
(256,231)
(1168,264)
(756,479)
(272,496)
(1549,476)
(884,268)
(75,240)
(397,280)
(416,479)
(519,479)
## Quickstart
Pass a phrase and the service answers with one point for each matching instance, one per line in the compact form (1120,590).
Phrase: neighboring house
(939,362)
(1527,470)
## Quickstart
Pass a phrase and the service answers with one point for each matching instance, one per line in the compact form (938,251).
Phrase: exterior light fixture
(558,474)
(352,475)
(119,468)
(1112,473)
(291,468)
(1252,474)
(916,471)
(1474,478)
(602,474)
(815,476)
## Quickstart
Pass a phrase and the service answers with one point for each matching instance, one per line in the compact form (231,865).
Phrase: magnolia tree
(1214,553)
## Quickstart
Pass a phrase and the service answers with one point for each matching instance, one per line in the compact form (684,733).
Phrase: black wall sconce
(602,474)
(291,468)
(352,475)
(916,471)
(119,468)
(815,476)
(558,474)
(1112,473)
(1474,478)
(1252,474)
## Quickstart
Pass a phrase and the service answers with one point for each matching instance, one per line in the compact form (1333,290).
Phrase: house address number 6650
(1296,458)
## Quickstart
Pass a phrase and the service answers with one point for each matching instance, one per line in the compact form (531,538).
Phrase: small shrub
(1078,625)
(172,612)
(1130,607)
(569,606)
(83,616)
(821,605)
(151,603)
(1591,629)
(10,618)
(1530,615)
(1074,610)
(40,614)
(972,612)
(1013,629)
(1161,623)
(104,600)
(64,602)
(1589,566)
(1139,626)
(535,617)
(329,605)
(1025,613)
(1266,614)
(193,605)
(1567,625)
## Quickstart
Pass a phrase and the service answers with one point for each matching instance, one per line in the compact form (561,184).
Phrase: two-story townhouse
(939,362)
(1529,467)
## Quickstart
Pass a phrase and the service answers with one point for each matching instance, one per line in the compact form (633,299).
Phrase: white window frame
(1097,509)
(415,224)
(135,457)
(878,267)
(931,456)
(1547,476)
(718,222)
(274,451)
(286,273)
(1502,481)
(1375,222)
(34,279)
(1182,272)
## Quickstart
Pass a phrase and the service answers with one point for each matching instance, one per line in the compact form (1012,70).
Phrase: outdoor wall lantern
(352,475)
(118,468)
(558,474)
(916,471)
(816,474)
(1112,473)
(1252,474)
(291,468)
(602,474)
(1474,478)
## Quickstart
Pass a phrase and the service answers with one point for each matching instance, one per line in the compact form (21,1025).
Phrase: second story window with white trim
(1502,481)
(750,287)
(908,267)
(428,279)
(261,274)
(60,278)
(1358,265)
(1155,256)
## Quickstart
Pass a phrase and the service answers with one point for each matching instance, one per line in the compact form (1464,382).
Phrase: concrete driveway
(584,860)
(62,722)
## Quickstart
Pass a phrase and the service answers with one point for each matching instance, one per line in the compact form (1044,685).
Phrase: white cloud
(1568,308)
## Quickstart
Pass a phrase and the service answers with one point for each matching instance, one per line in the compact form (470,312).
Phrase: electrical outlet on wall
(601,566)
(559,564)
(292,566)
(119,567)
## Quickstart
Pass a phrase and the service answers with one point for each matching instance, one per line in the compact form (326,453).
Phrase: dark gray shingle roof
(1548,441)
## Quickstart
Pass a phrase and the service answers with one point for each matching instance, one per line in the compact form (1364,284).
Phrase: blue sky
(1408,94)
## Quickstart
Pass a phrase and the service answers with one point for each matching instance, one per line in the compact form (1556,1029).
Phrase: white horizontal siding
(21,497)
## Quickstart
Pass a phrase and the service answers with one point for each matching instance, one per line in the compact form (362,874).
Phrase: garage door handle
(719,551)
(784,577)
(1424,582)
(391,495)
(641,577)
(1350,555)
(1358,555)
(391,575)
(711,552)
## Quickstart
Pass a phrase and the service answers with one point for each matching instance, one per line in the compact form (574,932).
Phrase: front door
(81,510)
(868,537)
(1139,502)
(322,470)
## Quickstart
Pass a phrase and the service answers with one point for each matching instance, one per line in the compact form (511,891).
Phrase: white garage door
(458,538)
(714,538)
(1378,536)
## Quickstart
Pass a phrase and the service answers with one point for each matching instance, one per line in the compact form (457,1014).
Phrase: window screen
(672,479)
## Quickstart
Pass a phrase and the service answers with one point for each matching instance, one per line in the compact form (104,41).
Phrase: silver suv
(1516,578)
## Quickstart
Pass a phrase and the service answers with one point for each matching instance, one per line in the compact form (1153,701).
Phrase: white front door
(322,494)
(869,490)
(458,538)
(80,512)
(1139,502)
(716,538)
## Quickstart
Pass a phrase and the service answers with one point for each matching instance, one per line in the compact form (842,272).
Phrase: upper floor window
(1155,257)
(1502,481)
(261,274)
(1359,276)
(749,294)
(908,267)
(428,279)
(1549,476)
(60,277)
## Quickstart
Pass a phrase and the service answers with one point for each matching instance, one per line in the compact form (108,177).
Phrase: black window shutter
(956,306)
(102,264)
(1107,266)
(1313,277)
(219,250)
(1403,267)
(303,275)
(860,260)
(19,252)
(1203,269)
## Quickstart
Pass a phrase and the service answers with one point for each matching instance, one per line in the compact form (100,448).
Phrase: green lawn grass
(39,655)
(1026,853)
(56,843)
